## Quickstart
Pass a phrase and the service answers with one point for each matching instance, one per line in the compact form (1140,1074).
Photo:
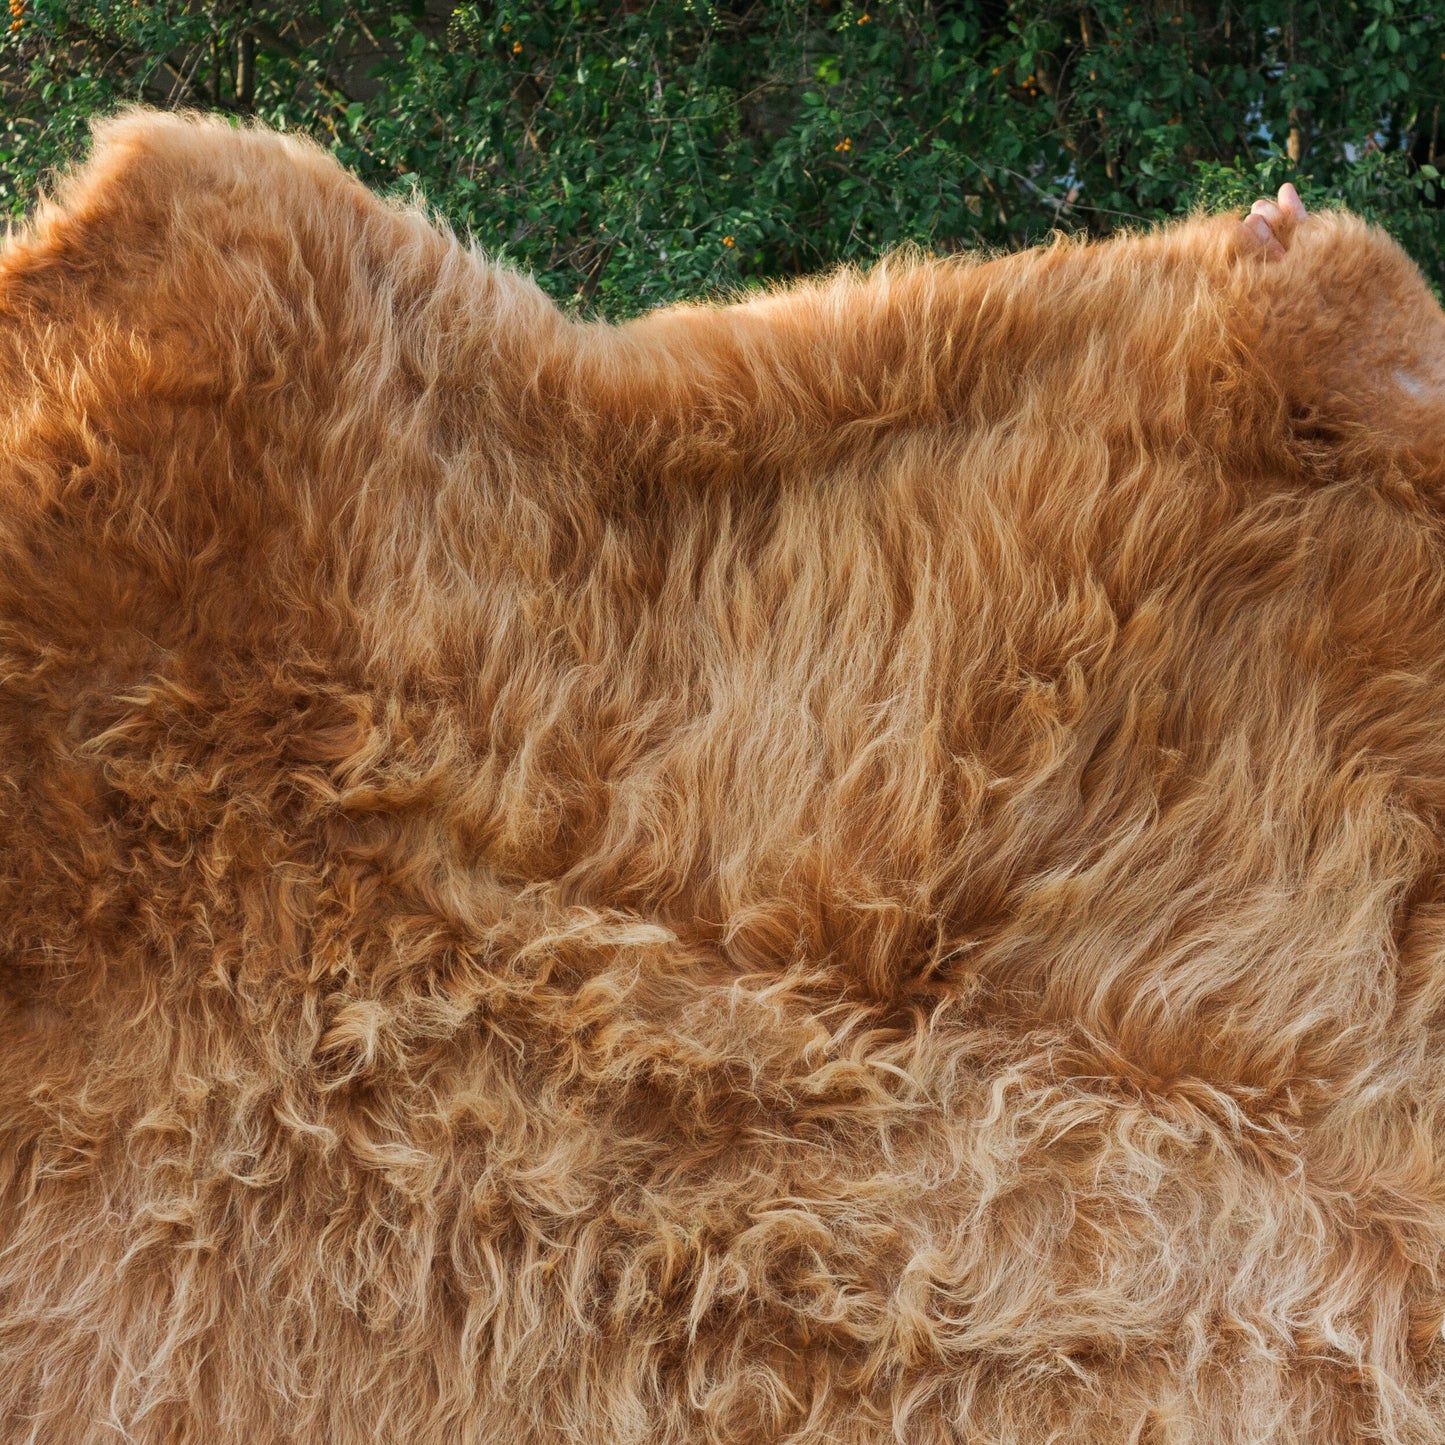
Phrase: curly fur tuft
(859,866)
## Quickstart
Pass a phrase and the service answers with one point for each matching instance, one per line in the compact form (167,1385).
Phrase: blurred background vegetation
(636,151)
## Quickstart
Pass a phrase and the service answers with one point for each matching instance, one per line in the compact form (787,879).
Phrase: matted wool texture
(859,866)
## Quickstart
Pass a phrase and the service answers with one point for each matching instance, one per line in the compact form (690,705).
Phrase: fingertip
(1290,202)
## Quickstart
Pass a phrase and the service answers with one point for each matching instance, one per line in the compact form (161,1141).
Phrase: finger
(1260,229)
(1274,217)
(1290,203)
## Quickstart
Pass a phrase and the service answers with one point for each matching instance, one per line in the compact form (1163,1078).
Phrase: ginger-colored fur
(860,866)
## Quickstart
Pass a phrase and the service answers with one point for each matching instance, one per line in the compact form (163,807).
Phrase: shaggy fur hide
(864,865)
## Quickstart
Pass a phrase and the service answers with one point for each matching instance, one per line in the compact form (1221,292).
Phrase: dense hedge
(634,152)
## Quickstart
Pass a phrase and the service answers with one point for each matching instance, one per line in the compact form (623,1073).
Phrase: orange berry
(729,242)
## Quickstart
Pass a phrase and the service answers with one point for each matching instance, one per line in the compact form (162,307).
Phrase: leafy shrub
(633,153)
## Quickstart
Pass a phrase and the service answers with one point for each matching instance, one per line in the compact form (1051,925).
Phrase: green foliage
(634,152)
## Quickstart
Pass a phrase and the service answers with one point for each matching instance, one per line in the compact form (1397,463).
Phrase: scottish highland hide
(865,865)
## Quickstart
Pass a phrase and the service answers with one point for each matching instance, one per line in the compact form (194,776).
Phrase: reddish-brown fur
(863,865)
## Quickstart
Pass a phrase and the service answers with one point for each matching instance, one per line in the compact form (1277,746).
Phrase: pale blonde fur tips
(860,866)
